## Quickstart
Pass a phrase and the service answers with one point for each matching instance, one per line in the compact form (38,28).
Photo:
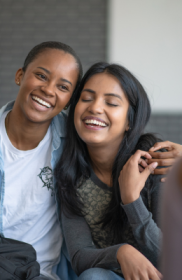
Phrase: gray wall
(23,24)
(79,23)
(167,126)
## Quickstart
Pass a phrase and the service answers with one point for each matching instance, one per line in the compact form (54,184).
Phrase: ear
(18,76)
(67,105)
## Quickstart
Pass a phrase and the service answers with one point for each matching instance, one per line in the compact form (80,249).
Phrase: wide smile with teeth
(41,102)
(94,122)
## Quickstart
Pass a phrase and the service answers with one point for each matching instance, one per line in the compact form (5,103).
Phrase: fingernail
(146,161)
(154,164)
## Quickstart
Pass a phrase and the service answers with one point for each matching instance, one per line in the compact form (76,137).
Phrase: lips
(92,121)
(41,101)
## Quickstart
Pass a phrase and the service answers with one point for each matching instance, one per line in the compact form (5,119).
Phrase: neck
(102,160)
(23,134)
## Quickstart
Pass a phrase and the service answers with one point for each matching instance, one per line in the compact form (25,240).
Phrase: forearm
(145,230)
(82,251)
(86,258)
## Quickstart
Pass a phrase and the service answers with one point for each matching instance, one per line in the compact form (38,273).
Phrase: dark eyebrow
(89,90)
(48,72)
(64,80)
(113,94)
(106,94)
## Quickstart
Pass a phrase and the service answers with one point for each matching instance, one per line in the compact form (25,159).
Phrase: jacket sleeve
(81,249)
(145,224)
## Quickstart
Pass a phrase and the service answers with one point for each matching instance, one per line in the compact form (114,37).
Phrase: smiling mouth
(94,123)
(41,102)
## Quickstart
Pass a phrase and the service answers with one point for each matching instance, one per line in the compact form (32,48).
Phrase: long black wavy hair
(73,164)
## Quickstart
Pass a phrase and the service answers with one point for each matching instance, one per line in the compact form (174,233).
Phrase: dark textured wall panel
(167,126)
(79,23)
(23,24)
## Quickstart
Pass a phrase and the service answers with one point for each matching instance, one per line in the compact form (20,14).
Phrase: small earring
(18,83)
(66,107)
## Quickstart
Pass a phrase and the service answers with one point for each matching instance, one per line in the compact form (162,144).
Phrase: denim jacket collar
(57,125)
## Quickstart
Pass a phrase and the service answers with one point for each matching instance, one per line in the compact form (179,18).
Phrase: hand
(136,266)
(168,158)
(131,180)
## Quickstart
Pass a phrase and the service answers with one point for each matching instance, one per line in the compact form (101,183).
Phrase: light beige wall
(146,37)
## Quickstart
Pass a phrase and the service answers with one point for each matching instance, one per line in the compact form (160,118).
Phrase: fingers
(150,169)
(162,171)
(154,275)
(140,168)
(161,162)
(136,266)
(143,163)
(159,274)
(159,145)
(163,155)
(139,153)
(170,146)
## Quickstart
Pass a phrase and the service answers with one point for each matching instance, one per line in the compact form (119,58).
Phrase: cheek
(78,112)
(120,120)
(29,81)
(26,87)
(63,100)
(76,117)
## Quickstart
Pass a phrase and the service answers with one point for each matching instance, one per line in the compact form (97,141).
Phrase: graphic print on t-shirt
(46,177)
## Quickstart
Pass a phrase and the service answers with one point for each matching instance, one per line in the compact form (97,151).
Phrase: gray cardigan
(90,246)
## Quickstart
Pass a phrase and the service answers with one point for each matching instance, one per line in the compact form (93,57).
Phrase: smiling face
(101,113)
(46,86)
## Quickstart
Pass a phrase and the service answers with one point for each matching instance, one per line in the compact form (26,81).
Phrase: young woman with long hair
(107,192)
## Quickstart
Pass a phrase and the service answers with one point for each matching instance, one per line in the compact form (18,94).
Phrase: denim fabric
(99,274)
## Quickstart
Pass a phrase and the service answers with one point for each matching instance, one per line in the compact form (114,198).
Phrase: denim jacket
(64,270)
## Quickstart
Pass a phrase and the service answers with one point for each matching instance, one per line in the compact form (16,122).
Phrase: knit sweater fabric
(91,246)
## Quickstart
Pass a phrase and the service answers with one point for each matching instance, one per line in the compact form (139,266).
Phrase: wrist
(121,251)
(129,198)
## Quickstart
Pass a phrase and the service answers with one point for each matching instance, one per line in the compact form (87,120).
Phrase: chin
(95,142)
(36,118)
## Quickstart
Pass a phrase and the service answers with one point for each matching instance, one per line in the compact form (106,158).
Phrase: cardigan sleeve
(145,224)
(81,249)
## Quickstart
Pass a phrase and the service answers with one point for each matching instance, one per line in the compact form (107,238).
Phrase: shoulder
(59,123)
(6,107)
(61,118)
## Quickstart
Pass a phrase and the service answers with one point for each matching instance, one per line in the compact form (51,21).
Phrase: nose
(48,89)
(96,107)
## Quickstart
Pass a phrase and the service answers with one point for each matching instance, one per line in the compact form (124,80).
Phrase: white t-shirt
(29,201)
